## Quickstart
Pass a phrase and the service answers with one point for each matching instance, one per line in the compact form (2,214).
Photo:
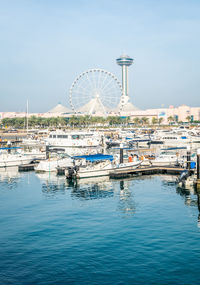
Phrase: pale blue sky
(45,44)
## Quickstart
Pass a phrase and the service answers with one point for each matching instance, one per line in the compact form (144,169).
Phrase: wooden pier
(148,170)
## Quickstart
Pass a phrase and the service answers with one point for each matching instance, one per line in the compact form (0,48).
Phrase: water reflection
(97,188)
(168,179)
(9,177)
(192,199)
(92,188)
(52,184)
(126,204)
(190,195)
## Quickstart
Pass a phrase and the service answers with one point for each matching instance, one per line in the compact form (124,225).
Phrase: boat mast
(27,117)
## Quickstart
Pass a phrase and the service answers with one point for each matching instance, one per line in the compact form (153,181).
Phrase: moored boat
(99,165)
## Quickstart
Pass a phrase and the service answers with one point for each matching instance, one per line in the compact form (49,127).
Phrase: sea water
(142,230)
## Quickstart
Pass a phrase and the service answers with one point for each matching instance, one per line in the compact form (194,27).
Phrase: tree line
(74,121)
(81,121)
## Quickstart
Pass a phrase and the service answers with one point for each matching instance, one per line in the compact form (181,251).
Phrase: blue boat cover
(14,147)
(95,157)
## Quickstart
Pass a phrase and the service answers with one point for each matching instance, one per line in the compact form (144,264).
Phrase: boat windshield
(167,153)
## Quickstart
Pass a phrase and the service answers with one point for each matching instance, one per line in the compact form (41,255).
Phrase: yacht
(176,137)
(74,139)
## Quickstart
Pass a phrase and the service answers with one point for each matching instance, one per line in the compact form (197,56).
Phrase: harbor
(123,153)
(100,142)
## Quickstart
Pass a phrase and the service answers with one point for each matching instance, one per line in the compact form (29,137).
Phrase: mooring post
(121,153)
(9,146)
(198,170)
(47,151)
(188,157)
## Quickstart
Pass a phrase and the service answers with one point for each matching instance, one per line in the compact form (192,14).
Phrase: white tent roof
(125,105)
(128,107)
(60,109)
(94,106)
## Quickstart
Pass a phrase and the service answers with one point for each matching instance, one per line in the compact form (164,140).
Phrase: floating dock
(148,170)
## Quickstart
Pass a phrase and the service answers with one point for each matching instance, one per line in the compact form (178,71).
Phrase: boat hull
(106,172)
(14,162)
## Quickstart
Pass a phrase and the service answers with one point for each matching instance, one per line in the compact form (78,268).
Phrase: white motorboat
(166,158)
(99,168)
(176,137)
(51,164)
(34,154)
(8,159)
(73,139)
(94,169)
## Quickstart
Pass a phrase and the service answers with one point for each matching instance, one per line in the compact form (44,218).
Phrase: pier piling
(188,157)
(198,171)
(47,151)
(9,146)
(121,153)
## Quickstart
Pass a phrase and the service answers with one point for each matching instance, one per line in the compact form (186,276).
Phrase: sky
(46,44)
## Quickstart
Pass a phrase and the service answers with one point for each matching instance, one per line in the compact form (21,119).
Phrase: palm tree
(170,119)
(62,121)
(144,120)
(154,120)
(160,120)
(74,121)
(188,118)
(136,120)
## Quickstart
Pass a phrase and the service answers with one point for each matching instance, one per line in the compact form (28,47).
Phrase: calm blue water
(138,231)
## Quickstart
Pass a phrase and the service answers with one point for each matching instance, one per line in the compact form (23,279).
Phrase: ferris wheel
(95,89)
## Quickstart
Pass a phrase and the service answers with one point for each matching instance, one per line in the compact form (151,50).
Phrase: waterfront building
(179,114)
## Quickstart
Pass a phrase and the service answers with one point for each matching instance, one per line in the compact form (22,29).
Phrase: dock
(148,170)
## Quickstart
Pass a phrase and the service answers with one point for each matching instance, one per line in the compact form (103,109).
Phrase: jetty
(146,170)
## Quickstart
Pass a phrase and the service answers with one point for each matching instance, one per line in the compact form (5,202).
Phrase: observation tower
(125,106)
(124,61)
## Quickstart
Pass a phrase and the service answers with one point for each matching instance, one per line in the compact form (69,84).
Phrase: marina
(76,158)
(100,143)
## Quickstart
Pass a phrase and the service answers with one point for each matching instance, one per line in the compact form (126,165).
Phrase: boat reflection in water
(192,198)
(92,188)
(9,176)
(126,203)
(86,189)
(52,184)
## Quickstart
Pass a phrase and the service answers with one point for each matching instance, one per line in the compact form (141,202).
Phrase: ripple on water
(97,232)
